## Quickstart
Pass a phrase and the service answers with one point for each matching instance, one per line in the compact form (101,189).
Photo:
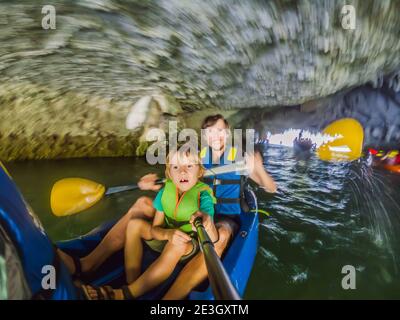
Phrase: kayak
(238,259)
(302,145)
(388,167)
(393,168)
(33,257)
(388,160)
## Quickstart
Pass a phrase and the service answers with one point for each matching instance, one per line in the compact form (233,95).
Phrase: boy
(182,197)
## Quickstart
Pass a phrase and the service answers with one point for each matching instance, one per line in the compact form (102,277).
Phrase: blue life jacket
(227,187)
(34,247)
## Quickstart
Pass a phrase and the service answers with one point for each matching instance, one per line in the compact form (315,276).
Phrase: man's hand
(206,220)
(148,182)
(178,237)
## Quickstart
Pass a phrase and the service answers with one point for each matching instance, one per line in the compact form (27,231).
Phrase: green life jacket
(178,210)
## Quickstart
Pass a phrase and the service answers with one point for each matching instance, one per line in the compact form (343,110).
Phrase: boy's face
(183,171)
(216,135)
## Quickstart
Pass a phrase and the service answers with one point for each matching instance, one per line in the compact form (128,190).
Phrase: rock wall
(41,123)
(377,109)
(65,92)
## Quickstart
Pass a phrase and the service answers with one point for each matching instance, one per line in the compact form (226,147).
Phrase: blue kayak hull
(239,259)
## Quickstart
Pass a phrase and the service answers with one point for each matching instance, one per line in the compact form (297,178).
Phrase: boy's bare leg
(114,239)
(160,269)
(136,230)
(158,272)
(195,271)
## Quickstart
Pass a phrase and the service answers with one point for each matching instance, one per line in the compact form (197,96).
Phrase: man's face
(216,135)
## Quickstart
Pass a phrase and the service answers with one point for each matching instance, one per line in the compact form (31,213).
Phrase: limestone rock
(77,82)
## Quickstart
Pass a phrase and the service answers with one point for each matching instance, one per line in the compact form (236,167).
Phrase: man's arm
(259,175)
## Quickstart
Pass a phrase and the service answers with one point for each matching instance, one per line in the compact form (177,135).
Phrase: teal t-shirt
(206,202)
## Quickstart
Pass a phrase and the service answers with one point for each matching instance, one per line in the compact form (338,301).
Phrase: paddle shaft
(239,167)
(221,285)
(128,187)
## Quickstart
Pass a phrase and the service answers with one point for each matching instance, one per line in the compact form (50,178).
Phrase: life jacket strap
(228,200)
(208,180)
(174,223)
(221,181)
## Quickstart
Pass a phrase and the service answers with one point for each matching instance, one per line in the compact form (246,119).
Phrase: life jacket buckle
(217,181)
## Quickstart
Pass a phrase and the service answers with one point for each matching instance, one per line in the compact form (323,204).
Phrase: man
(227,191)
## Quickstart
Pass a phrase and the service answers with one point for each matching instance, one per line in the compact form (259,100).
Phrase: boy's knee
(225,233)
(145,205)
(135,226)
(144,201)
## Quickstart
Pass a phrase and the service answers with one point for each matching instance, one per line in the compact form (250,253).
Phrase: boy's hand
(148,182)
(206,219)
(178,237)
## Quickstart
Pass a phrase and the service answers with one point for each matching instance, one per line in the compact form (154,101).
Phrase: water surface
(324,216)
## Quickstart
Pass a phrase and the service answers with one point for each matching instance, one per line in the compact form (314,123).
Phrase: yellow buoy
(72,195)
(392,154)
(345,144)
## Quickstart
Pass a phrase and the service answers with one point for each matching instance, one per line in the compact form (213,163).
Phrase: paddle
(221,285)
(346,141)
(72,195)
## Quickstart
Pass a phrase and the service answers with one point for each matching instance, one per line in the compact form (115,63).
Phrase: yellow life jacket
(179,209)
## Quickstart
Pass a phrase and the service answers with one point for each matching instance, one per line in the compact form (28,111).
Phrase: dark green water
(324,216)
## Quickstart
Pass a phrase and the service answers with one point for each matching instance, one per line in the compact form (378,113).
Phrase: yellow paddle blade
(347,140)
(72,195)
